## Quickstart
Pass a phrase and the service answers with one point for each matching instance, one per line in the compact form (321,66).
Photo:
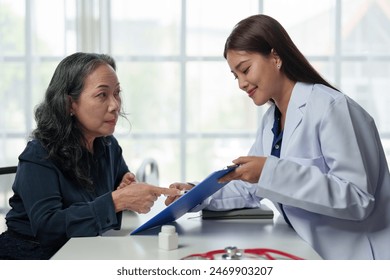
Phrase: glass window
(169,95)
(214,101)
(210,22)
(166,151)
(151,95)
(48,30)
(31,45)
(310,24)
(146,27)
(12,17)
(12,84)
(365,27)
(365,83)
(208,154)
(326,67)
(184,108)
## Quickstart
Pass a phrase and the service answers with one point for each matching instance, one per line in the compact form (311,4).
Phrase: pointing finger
(166,191)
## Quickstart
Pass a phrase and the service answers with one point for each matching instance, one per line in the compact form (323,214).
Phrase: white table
(195,236)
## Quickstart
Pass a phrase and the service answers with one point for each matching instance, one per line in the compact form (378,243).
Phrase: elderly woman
(72,179)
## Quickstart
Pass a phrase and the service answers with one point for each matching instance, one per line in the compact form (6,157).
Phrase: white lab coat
(332,176)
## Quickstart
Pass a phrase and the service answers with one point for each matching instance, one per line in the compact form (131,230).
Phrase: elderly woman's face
(98,106)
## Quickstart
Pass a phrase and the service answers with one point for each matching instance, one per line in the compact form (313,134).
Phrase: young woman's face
(98,106)
(258,75)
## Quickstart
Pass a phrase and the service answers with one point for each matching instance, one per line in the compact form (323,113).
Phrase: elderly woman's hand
(180,187)
(127,179)
(139,197)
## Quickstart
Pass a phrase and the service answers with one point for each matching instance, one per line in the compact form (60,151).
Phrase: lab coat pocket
(317,161)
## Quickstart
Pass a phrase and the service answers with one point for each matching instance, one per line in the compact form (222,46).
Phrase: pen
(182,192)
(232,166)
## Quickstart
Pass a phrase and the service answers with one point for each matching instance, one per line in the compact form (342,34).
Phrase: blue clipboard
(187,201)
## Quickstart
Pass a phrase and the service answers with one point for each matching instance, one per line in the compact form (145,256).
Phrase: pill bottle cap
(168,229)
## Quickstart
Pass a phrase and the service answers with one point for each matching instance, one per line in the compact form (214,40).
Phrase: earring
(71,114)
(278,66)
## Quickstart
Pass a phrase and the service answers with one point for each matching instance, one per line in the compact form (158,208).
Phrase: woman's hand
(127,179)
(179,187)
(249,169)
(139,197)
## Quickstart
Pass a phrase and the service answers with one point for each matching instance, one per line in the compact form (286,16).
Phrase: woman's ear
(70,106)
(276,58)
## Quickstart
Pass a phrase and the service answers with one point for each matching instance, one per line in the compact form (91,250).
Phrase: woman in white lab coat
(317,154)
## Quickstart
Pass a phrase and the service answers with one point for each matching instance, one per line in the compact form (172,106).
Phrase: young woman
(317,154)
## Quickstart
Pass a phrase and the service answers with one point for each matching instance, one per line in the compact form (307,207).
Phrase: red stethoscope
(232,253)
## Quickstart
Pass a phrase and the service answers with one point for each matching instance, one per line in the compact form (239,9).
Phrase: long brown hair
(260,34)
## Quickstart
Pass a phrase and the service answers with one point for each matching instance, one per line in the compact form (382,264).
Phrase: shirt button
(277,146)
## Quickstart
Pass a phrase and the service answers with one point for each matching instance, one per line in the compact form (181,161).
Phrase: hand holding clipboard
(186,187)
(188,201)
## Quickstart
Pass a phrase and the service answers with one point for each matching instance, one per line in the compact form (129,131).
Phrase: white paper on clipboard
(186,202)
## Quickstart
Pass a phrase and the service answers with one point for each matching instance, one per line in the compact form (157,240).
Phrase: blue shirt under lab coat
(50,207)
(332,176)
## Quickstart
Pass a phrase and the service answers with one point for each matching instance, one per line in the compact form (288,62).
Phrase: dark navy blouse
(50,207)
(278,134)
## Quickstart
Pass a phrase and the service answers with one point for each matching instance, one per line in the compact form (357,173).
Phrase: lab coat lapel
(268,134)
(295,111)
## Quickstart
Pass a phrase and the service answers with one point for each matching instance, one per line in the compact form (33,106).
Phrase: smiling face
(97,108)
(258,75)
